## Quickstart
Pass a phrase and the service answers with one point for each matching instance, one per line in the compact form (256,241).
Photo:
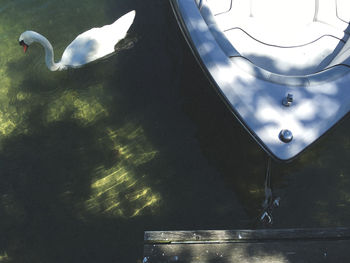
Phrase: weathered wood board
(272,245)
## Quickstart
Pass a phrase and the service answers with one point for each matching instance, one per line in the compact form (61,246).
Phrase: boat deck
(281,68)
(267,33)
(266,245)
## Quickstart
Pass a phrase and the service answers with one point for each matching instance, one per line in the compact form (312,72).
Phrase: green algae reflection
(32,100)
(4,258)
(16,98)
(85,108)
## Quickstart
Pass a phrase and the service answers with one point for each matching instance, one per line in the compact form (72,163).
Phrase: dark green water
(92,157)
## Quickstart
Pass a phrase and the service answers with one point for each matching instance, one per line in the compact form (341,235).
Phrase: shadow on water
(89,165)
(99,154)
(223,140)
(312,187)
(74,183)
(44,175)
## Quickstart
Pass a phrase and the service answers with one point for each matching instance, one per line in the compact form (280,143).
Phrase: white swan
(91,45)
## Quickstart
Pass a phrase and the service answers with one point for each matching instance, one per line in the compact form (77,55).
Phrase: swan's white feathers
(89,46)
(97,42)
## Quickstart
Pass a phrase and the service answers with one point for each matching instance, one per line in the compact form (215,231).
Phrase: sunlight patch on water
(7,110)
(6,124)
(31,98)
(85,108)
(16,96)
(136,150)
(9,51)
(4,257)
(122,191)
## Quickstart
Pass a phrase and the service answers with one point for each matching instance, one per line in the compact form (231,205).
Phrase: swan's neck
(49,55)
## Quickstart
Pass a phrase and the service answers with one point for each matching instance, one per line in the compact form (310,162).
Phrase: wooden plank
(262,252)
(245,235)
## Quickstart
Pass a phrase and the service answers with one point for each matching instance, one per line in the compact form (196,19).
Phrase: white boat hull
(255,93)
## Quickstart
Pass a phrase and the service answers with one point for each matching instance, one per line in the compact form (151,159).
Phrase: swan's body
(89,46)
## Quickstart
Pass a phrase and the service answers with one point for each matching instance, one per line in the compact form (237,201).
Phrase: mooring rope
(270,202)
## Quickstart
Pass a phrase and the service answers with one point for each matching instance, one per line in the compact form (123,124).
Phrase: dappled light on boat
(259,53)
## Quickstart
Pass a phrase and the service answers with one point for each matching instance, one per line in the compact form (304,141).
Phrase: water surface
(92,157)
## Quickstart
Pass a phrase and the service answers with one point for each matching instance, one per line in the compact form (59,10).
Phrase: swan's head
(25,39)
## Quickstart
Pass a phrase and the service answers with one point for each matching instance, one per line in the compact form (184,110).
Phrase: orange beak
(25,46)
